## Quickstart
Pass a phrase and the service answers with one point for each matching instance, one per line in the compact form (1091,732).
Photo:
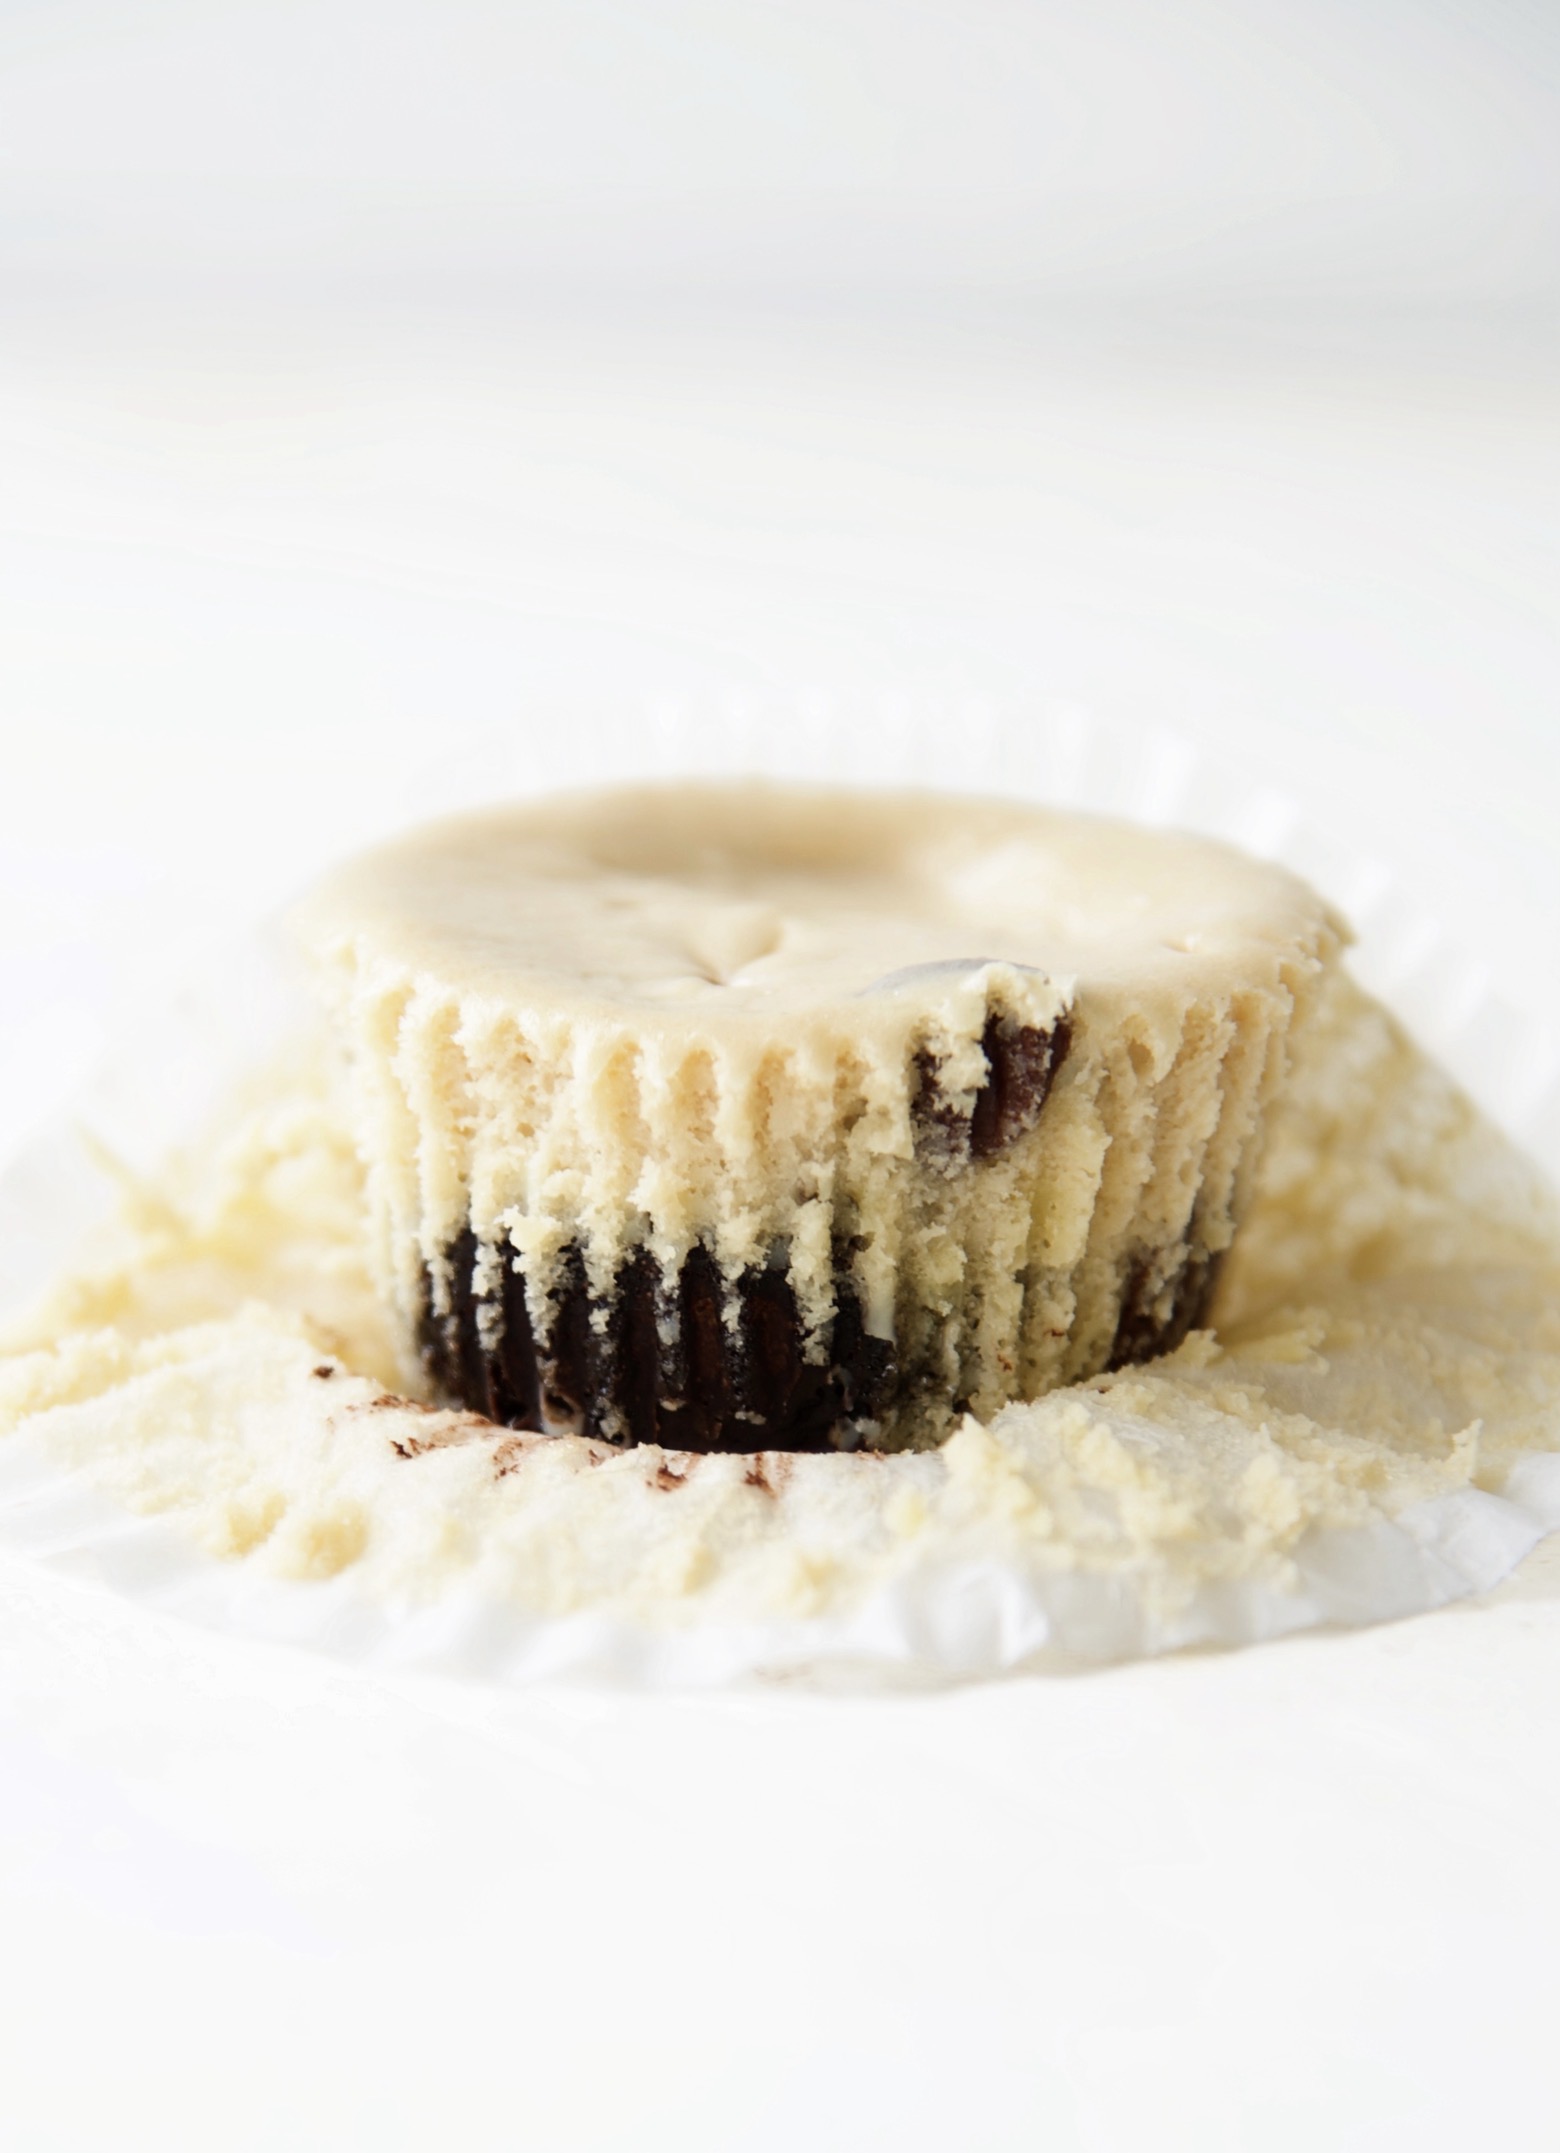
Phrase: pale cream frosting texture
(1388,1331)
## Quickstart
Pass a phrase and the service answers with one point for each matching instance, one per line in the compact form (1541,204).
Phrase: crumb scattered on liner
(1388,1329)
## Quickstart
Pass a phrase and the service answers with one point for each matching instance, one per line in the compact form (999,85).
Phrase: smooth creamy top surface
(738,905)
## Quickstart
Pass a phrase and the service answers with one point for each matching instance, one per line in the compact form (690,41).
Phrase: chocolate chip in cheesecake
(1021,1065)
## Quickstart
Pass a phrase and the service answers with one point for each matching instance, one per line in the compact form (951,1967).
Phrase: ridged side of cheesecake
(750,1117)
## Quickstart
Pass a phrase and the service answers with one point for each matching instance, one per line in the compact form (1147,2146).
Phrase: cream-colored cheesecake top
(738,907)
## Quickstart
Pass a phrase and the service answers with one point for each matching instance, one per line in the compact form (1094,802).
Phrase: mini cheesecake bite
(748,1117)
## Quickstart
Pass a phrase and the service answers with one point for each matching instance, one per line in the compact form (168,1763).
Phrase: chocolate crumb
(1021,1065)
(325,1371)
(445,1429)
(664,1368)
(1162,1303)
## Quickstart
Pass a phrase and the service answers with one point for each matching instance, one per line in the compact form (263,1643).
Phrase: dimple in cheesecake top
(742,908)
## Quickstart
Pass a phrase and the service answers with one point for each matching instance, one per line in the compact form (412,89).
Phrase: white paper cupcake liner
(941,1623)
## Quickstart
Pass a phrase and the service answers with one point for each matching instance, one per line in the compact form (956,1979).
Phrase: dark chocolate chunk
(866,1367)
(503,1384)
(658,1367)
(1021,1065)
(1022,1062)
(787,1402)
(1161,1306)
(634,1348)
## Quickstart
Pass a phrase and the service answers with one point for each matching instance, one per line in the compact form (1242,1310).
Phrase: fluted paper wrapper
(959,1614)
